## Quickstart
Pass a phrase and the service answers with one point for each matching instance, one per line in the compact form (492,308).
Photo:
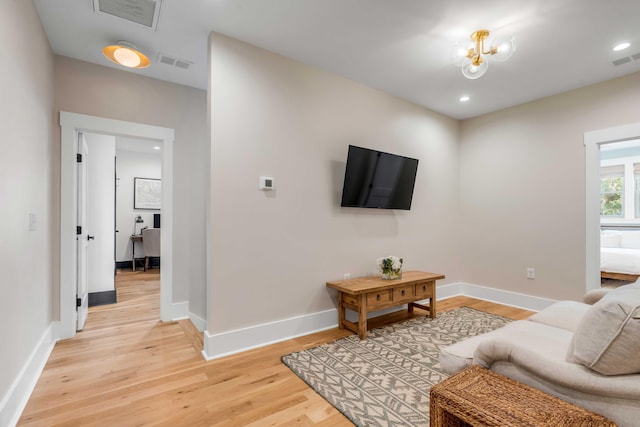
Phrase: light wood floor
(129,369)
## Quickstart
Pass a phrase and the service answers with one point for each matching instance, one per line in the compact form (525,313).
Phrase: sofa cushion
(595,295)
(458,356)
(607,339)
(563,314)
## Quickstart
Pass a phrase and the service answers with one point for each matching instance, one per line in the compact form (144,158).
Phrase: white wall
(132,165)
(105,92)
(26,117)
(522,180)
(273,252)
(100,210)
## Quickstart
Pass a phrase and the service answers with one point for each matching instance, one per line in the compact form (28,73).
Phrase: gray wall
(26,117)
(522,188)
(104,92)
(273,252)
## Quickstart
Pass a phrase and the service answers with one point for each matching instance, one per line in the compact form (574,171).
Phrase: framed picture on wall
(147,193)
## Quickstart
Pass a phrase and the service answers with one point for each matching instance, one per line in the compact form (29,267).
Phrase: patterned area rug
(385,379)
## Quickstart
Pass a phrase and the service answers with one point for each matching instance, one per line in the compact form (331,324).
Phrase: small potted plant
(390,267)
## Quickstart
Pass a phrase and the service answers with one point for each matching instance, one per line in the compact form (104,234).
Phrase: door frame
(592,142)
(70,125)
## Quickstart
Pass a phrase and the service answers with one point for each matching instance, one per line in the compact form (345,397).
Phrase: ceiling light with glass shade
(126,54)
(474,59)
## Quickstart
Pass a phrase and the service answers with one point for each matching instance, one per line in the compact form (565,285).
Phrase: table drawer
(351,301)
(403,293)
(375,299)
(424,289)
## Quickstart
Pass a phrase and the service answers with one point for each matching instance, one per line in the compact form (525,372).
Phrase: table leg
(362,317)
(341,310)
(432,304)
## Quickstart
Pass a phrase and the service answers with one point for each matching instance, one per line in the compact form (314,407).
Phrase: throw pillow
(607,339)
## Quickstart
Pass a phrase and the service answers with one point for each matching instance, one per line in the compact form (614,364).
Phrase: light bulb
(504,49)
(473,71)
(459,54)
(126,57)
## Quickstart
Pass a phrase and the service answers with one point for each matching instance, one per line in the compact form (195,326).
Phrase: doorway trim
(70,125)
(592,142)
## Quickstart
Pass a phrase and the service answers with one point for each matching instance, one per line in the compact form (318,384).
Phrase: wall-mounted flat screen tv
(374,179)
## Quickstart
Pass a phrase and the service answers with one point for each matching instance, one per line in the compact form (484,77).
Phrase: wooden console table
(477,397)
(366,294)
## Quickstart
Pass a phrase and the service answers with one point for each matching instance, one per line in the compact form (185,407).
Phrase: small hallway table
(366,294)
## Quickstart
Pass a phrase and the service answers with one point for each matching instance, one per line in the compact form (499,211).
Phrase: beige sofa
(585,354)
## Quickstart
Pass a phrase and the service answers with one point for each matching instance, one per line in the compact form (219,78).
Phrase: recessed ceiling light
(464,98)
(621,46)
(156,148)
(126,54)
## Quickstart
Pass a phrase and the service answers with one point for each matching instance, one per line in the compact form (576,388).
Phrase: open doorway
(115,219)
(71,125)
(619,213)
(597,186)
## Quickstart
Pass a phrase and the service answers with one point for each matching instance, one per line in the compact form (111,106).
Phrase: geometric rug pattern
(384,380)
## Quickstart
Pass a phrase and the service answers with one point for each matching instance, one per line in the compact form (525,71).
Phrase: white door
(100,202)
(82,236)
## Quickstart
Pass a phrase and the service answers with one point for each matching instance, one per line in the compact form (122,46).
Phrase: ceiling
(402,47)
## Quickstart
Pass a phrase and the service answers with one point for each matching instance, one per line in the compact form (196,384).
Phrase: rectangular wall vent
(142,12)
(626,59)
(174,62)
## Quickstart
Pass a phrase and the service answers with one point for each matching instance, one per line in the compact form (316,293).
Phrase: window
(612,191)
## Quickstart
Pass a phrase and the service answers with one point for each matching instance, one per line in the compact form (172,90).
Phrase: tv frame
(378,152)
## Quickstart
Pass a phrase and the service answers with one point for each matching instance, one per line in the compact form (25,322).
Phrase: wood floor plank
(127,368)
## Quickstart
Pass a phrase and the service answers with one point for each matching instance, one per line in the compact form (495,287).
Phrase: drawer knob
(378,297)
(424,288)
(402,292)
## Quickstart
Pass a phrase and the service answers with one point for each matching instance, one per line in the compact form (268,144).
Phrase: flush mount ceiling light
(126,54)
(474,59)
(621,46)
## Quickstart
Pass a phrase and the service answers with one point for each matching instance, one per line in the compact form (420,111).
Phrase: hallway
(112,371)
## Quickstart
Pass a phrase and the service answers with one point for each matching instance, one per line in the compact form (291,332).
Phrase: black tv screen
(374,179)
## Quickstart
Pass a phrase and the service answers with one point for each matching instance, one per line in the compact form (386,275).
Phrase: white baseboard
(227,343)
(198,322)
(500,296)
(180,310)
(16,398)
(231,342)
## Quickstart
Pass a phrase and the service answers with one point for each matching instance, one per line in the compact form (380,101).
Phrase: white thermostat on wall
(267,183)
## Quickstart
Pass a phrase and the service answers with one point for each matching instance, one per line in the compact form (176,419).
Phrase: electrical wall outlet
(347,276)
(531,273)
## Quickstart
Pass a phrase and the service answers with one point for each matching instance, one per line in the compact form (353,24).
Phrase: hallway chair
(151,244)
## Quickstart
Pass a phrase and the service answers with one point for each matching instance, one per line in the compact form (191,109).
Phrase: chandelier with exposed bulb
(474,59)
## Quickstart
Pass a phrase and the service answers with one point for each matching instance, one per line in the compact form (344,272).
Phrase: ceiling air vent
(163,58)
(626,59)
(142,12)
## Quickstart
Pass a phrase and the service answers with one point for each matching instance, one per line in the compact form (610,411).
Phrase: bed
(620,254)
